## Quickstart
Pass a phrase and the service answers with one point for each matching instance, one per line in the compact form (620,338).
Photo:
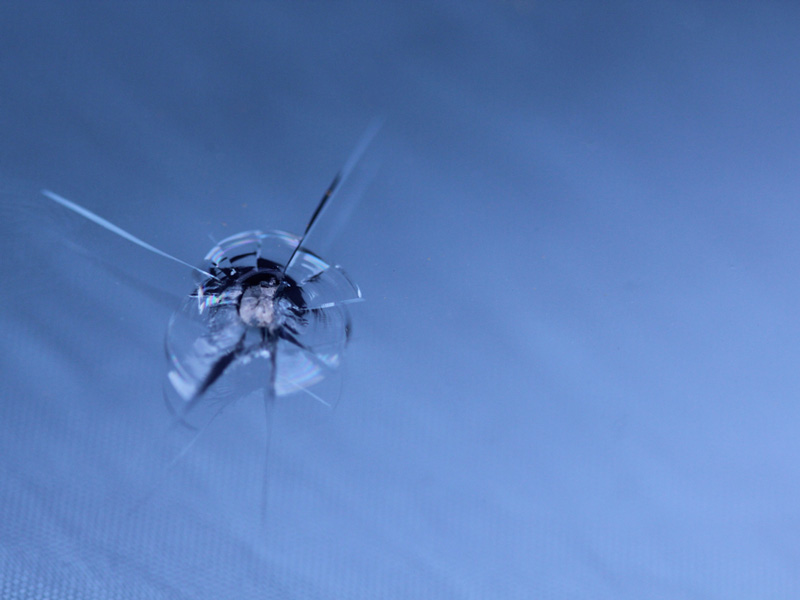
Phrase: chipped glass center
(257,306)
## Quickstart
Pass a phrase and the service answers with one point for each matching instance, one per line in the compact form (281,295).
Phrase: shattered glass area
(249,311)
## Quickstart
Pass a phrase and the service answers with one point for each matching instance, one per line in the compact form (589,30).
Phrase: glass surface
(574,371)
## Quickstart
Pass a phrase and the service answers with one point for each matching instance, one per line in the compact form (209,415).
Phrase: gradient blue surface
(575,374)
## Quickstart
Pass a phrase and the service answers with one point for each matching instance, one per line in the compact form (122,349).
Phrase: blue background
(575,375)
